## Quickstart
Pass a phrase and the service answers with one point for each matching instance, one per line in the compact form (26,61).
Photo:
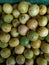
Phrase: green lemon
(8,18)
(20,59)
(5,52)
(42,21)
(28,54)
(10,61)
(32,36)
(24,41)
(41,61)
(3,45)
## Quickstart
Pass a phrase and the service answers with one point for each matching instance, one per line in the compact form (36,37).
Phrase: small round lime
(32,36)
(10,61)
(24,41)
(3,45)
(8,18)
(41,61)
(5,53)
(28,54)
(20,59)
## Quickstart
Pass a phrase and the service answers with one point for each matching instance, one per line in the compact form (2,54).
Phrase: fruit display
(24,34)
